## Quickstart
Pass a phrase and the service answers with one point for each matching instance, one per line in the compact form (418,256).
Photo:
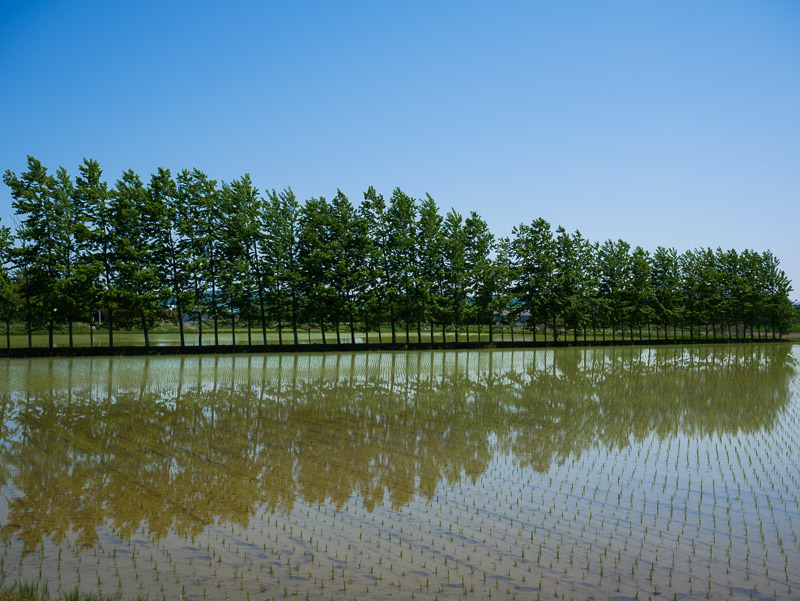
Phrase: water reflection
(177,444)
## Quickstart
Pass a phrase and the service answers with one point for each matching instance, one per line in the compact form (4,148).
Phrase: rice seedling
(514,474)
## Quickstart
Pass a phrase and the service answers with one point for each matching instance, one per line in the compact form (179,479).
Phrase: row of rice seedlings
(645,518)
(562,531)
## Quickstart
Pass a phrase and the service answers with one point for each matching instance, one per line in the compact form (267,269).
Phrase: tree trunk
(352,325)
(180,322)
(321,329)
(263,318)
(110,327)
(490,332)
(199,327)
(50,332)
(8,333)
(338,334)
(444,335)
(431,326)
(419,332)
(280,328)
(468,333)
(249,324)
(555,330)
(145,331)
(216,311)
(233,328)
(394,331)
(294,318)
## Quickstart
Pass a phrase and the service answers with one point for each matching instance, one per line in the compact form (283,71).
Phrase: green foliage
(533,256)
(455,269)
(481,283)
(281,249)
(186,248)
(401,255)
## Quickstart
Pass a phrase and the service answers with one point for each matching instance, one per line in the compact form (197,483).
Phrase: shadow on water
(178,444)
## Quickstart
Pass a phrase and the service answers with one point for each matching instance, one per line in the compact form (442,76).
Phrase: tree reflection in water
(181,443)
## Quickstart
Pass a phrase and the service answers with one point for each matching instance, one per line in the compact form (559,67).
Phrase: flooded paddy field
(540,474)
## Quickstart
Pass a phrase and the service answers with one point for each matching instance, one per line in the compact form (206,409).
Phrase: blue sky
(661,123)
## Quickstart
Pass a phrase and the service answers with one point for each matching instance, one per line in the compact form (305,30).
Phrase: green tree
(378,303)
(455,270)
(250,206)
(170,248)
(94,239)
(709,282)
(533,255)
(779,310)
(666,280)
(478,248)
(136,226)
(33,202)
(615,277)
(201,221)
(584,305)
(731,305)
(235,239)
(349,239)
(283,232)
(504,282)
(640,289)
(429,268)
(317,262)
(566,282)
(7,295)
(71,284)
(401,220)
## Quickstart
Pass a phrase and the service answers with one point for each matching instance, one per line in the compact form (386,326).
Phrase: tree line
(217,255)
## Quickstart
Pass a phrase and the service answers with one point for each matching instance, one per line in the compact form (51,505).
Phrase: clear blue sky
(662,123)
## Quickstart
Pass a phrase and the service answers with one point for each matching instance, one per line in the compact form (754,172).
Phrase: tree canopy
(199,251)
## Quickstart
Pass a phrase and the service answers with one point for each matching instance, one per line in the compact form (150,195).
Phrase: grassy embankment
(167,334)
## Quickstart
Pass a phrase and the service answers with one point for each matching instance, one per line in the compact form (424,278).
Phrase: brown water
(568,473)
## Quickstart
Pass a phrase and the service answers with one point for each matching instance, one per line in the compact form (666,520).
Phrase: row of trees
(224,253)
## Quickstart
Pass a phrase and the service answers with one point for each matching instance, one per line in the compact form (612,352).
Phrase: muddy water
(605,473)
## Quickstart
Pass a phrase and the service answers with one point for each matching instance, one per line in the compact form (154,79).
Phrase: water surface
(574,473)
